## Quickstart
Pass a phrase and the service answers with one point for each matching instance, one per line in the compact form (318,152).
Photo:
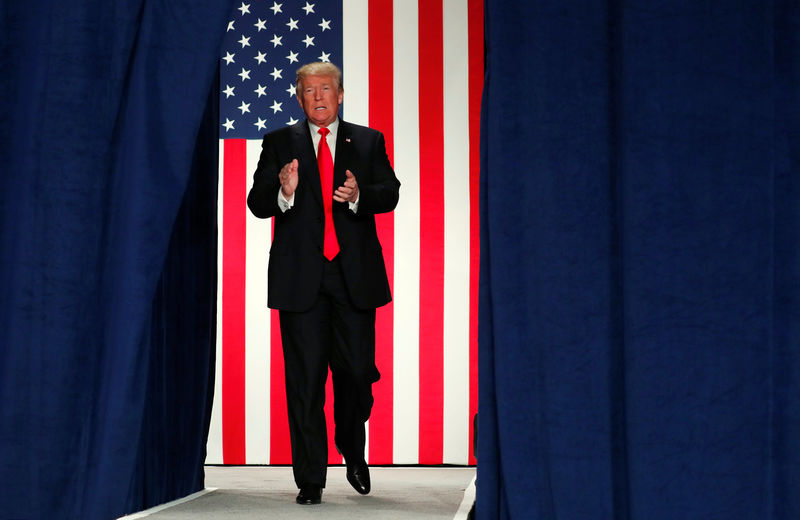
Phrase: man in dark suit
(326,271)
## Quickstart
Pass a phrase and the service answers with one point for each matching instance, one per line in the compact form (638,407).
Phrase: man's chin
(321,121)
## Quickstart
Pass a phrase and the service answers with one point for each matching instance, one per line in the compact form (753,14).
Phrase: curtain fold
(639,338)
(785,327)
(105,311)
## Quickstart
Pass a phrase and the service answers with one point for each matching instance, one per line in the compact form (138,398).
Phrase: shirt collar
(333,127)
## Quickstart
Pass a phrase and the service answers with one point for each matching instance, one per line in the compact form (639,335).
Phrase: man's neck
(333,126)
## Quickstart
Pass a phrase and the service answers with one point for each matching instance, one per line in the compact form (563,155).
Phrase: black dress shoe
(358,477)
(309,494)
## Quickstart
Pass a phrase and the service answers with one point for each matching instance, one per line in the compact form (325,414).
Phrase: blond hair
(318,68)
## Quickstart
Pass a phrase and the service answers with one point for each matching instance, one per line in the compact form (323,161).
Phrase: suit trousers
(332,333)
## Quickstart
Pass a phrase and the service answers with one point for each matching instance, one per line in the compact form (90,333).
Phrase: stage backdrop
(108,154)
(640,261)
(413,70)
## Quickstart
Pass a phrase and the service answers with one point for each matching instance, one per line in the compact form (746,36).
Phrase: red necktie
(325,162)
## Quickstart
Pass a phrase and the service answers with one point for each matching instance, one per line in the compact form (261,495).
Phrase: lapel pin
(347,139)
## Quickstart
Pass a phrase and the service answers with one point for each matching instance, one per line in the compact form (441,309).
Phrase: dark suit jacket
(296,260)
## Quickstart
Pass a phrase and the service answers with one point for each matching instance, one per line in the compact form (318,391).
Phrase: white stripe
(153,510)
(257,326)
(355,64)
(355,69)
(214,442)
(406,222)
(366,442)
(456,237)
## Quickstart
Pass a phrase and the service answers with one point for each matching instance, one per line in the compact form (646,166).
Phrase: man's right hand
(289,178)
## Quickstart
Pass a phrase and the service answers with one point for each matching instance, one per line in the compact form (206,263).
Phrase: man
(323,180)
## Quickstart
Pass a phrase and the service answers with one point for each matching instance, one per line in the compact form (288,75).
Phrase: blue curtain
(640,261)
(108,147)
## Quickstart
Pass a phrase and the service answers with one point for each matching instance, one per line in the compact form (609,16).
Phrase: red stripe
(475,44)
(280,448)
(333,455)
(233,300)
(431,293)
(381,116)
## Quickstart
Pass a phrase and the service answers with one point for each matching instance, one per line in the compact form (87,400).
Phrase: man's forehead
(323,78)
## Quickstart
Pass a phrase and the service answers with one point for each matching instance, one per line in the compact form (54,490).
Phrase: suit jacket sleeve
(381,193)
(263,197)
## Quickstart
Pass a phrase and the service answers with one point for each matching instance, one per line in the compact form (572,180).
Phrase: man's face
(320,99)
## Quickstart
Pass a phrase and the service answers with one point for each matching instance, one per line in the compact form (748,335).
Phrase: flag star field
(265,43)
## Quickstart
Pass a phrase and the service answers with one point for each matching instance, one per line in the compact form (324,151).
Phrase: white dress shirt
(285,204)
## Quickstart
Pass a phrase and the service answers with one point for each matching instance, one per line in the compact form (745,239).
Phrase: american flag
(413,70)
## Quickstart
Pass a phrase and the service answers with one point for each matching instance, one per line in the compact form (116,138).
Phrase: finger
(292,165)
(349,174)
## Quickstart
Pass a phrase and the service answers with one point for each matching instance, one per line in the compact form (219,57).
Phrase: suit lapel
(307,157)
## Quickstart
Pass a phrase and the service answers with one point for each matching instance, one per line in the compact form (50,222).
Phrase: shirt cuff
(354,205)
(284,204)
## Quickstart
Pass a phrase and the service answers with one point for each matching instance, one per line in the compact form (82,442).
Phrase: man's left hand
(347,192)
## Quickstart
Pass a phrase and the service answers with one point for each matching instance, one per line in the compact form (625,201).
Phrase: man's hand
(347,192)
(289,178)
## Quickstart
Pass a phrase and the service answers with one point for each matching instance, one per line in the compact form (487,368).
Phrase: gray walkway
(268,493)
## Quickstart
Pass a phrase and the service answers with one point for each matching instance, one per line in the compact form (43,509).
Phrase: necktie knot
(323,132)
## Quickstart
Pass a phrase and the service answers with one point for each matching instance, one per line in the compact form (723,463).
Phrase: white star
(276,73)
(260,124)
(276,107)
(309,8)
(276,40)
(292,57)
(326,24)
(292,121)
(244,9)
(291,24)
(261,91)
(260,24)
(228,124)
(228,91)
(229,58)
(230,26)
(245,41)
(292,90)
(276,8)
(261,57)
(309,41)
(245,74)
(326,57)
(244,107)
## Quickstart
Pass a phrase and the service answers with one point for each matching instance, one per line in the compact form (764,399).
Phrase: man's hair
(318,68)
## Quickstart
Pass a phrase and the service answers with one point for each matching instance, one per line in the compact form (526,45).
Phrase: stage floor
(250,492)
